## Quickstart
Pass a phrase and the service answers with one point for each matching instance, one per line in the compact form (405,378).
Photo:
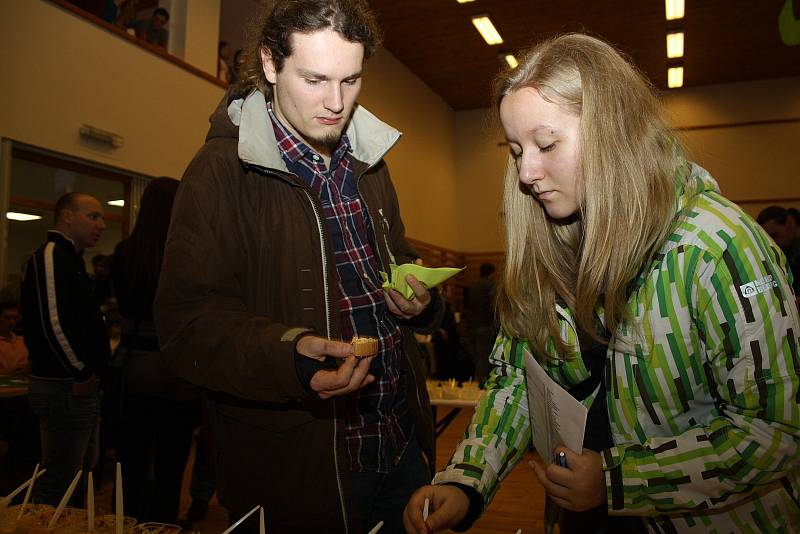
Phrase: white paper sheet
(556,417)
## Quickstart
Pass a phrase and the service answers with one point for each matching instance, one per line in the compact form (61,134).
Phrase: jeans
(69,431)
(383,497)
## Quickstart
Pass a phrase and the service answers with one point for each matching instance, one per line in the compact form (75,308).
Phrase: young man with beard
(282,224)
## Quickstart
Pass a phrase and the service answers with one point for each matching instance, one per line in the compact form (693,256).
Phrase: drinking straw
(376,528)
(90,503)
(65,499)
(120,515)
(8,498)
(239,522)
(28,493)
(261,528)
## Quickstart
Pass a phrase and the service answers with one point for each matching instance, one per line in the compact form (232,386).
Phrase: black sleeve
(475,506)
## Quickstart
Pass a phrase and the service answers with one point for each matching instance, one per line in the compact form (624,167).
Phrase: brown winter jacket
(248,268)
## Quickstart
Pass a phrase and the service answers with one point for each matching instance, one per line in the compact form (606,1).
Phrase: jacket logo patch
(751,289)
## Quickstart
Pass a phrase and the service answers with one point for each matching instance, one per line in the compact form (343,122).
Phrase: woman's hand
(447,506)
(578,487)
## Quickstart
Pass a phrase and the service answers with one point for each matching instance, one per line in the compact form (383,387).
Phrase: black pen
(561,459)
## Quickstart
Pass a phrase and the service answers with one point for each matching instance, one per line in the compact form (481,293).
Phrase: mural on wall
(789,25)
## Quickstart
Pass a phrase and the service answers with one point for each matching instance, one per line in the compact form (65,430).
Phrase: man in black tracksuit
(68,345)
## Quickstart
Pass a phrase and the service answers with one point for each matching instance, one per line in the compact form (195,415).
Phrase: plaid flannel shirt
(377,421)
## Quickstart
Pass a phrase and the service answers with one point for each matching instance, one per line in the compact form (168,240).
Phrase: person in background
(447,342)
(160,410)
(480,317)
(223,55)
(204,475)
(793,220)
(101,279)
(238,65)
(778,223)
(67,345)
(282,223)
(153,30)
(647,295)
(13,352)
(117,11)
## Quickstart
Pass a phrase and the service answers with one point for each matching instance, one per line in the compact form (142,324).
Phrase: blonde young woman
(626,268)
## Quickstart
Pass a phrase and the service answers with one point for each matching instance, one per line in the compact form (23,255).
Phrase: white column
(194,31)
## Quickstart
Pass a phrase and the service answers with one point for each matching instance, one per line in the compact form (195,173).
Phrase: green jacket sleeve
(500,431)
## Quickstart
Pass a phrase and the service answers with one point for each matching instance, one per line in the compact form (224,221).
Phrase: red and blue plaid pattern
(377,422)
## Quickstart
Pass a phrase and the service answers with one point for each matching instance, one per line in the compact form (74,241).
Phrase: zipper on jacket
(324,257)
(336,465)
(328,327)
(326,290)
(385,224)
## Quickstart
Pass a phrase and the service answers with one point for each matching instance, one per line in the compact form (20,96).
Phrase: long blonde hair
(628,162)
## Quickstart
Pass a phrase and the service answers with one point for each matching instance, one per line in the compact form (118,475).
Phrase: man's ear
(270,72)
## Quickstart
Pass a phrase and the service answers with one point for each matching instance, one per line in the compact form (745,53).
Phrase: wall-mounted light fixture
(119,203)
(102,136)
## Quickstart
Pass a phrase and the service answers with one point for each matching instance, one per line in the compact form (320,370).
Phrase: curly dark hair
(352,19)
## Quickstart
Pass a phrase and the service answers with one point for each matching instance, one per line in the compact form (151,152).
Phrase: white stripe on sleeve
(49,274)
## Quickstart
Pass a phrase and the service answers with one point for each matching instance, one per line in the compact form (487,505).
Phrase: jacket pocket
(274,418)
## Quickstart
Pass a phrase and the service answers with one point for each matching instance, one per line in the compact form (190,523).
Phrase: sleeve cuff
(306,368)
(430,316)
(475,506)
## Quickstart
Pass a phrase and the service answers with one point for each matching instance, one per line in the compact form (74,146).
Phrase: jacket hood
(695,180)
(246,118)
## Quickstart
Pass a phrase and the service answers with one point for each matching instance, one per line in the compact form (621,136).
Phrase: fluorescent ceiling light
(675,77)
(465,1)
(675,9)
(14,216)
(119,203)
(511,60)
(487,29)
(675,45)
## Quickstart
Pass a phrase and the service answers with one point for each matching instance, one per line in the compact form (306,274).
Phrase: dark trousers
(204,474)
(69,428)
(153,446)
(482,341)
(383,497)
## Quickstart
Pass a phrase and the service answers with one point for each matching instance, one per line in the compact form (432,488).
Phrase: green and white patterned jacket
(703,384)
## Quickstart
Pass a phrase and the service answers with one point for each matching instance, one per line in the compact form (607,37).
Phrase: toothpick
(65,499)
(8,498)
(90,503)
(426,508)
(119,510)
(28,493)
(376,528)
(239,522)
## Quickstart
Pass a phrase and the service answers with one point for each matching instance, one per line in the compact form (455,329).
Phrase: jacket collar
(693,180)
(369,137)
(59,237)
